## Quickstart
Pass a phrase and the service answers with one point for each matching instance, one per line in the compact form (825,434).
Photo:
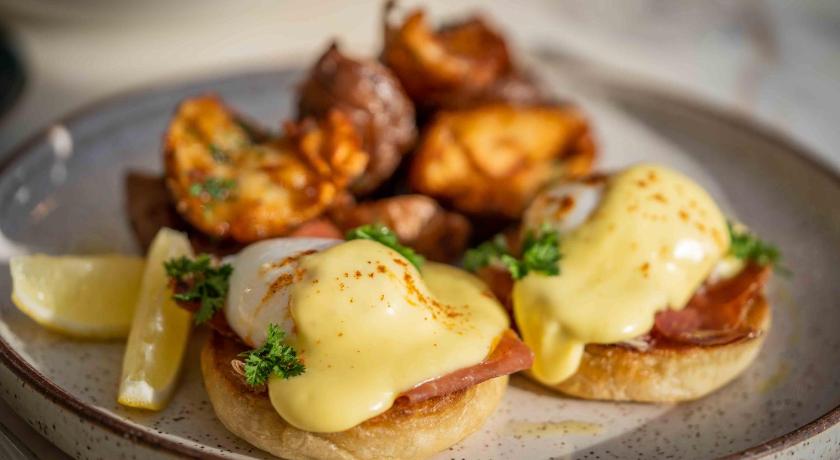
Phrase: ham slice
(510,355)
(717,312)
(714,316)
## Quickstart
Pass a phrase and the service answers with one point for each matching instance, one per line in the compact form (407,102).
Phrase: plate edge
(24,371)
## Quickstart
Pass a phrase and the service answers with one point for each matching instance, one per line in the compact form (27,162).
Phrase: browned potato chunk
(418,221)
(149,208)
(374,100)
(492,160)
(460,65)
(227,184)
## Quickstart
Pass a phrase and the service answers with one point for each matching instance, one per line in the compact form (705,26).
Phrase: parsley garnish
(274,357)
(205,283)
(384,235)
(540,253)
(747,246)
(488,252)
(215,188)
(218,154)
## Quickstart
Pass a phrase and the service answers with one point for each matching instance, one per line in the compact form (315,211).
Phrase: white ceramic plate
(57,200)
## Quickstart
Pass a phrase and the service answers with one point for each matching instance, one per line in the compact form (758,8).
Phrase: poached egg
(637,242)
(366,323)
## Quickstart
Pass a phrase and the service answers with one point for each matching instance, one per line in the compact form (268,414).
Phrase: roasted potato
(419,222)
(491,160)
(458,66)
(149,208)
(374,100)
(227,183)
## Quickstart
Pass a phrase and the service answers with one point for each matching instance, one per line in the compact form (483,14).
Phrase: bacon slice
(715,315)
(717,312)
(510,355)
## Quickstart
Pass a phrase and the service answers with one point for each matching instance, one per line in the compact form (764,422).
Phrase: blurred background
(775,60)
(778,60)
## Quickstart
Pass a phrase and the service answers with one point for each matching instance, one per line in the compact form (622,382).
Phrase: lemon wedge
(84,297)
(159,332)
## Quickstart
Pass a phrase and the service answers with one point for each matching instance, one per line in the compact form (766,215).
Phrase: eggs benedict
(360,348)
(657,297)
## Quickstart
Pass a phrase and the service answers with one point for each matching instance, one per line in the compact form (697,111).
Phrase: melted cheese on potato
(651,241)
(368,326)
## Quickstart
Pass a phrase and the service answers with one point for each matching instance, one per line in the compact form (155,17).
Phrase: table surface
(777,61)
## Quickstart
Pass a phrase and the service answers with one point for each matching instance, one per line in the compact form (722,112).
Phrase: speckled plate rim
(704,108)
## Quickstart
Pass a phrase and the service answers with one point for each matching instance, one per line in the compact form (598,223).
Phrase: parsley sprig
(214,188)
(540,253)
(273,357)
(206,283)
(219,155)
(747,246)
(384,235)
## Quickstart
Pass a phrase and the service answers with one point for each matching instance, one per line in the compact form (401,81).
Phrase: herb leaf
(207,284)
(747,246)
(540,253)
(487,253)
(274,357)
(384,235)
(218,154)
(214,188)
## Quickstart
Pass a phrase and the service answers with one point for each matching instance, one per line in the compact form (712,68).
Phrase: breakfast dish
(75,383)
(322,266)
(399,362)
(660,298)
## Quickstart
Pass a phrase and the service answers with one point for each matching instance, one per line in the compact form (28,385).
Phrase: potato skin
(460,65)
(491,160)
(229,183)
(373,99)
(419,222)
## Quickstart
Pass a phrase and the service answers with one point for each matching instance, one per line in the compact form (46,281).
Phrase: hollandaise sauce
(652,240)
(369,326)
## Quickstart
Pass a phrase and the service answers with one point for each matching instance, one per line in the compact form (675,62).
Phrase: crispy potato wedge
(374,100)
(457,66)
(419,222)
(491,160)
(149,208)
(228,184)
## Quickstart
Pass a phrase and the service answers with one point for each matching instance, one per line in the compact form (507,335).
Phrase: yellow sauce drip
(369,328)
(776,379)
(563,427)
(650,243)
